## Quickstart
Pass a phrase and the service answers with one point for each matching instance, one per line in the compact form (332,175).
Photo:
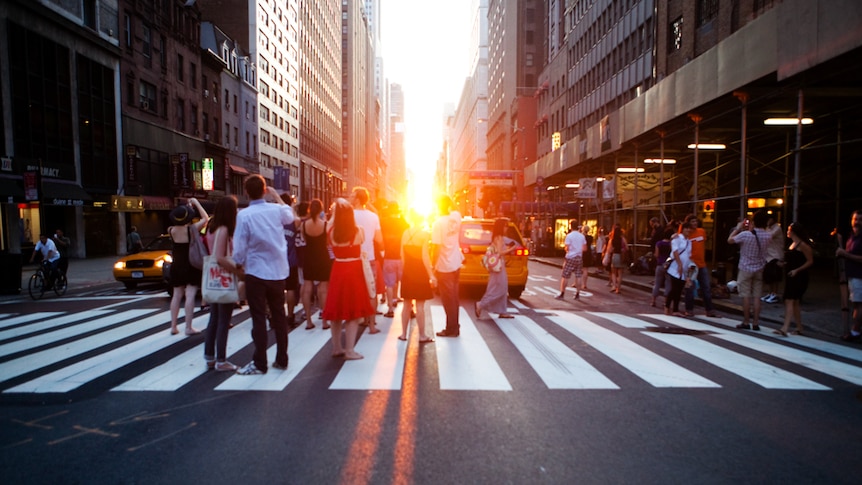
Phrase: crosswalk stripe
(31,362)
(50,323)
(555,363)
(825,365)
(32,317)
(762,374)
(382,367)
(301,348)
(548,290)
(644,363)
(50,337)
(623,320)
(185,367)
(466,362)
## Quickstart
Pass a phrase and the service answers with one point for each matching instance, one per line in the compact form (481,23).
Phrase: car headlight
(120,265)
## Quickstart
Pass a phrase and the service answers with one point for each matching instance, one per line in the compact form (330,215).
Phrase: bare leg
(322,289)
(372,320)
(788,315)
(420,321)
(176,300)
(845,308)
(305,295)
(191,292)
(405,321)
(350,340)
(797,315)
(757,305)
(746,311)
(337,351)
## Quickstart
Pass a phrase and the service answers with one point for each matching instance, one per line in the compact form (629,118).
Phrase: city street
(602,389)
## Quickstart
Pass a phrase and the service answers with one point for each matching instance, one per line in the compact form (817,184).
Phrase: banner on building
(587,188)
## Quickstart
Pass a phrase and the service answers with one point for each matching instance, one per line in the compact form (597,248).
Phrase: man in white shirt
(260,251)
(49,254)
(576,244)
(370,224)
(447,258)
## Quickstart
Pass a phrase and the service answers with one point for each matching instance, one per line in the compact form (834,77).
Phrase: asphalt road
(599,390)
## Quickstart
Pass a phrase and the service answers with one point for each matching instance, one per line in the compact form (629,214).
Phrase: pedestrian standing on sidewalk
(495,299)
(797,259)
(260,250)
(661,253)
(618,247)
(678,269)
(703,277)
(752,258)
(185,278)
(601,244)
(447,259)
(576,244)
(842,285)
(588,257)
(774,254)
(220,241)
(852,254)
(63,244)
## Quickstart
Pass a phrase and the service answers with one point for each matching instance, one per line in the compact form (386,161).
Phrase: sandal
(425,340)
(401,337)
(506,315)
(797,332)
(309,326)
(780,332)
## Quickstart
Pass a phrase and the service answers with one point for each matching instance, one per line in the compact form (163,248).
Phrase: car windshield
(479,233)
(161,243)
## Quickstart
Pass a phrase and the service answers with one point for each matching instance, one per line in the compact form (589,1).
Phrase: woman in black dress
(185,278)
(797,259)
(418,279)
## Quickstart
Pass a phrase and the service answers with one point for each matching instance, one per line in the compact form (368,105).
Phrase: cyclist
(50,258)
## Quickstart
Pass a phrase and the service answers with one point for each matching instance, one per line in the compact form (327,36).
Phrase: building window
(180,72)
(90,14)
(707,10)
(147,48)
(127,21)
(675,40)
(181,115)
(193,74)
(147,96)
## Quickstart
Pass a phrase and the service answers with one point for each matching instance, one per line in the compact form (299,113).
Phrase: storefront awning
(11,190)
(238,169)
(64,193)
(157,203)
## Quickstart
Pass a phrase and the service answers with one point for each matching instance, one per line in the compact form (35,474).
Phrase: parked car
(474,240)
(146,265)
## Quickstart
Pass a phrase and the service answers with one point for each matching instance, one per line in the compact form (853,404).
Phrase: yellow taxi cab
(474,240)
(146,265)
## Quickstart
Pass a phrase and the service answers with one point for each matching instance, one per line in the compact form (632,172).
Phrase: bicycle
(38,286)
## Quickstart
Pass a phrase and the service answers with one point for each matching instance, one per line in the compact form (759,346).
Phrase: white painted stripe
(383,365)
(644,363)
(623,320)
(31,362)
(841,370)
(185,367)
(548,290)
(558,365)
(517,304)
(32,317)
(466,363)
(4,315)
(50,337)
(302,346)
(758,372)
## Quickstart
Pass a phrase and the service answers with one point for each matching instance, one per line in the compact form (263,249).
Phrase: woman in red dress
(347,300)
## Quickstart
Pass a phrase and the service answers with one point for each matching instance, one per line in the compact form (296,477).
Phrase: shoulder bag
(492,261)
(197,249)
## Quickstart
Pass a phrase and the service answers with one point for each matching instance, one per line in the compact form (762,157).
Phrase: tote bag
(368,272)
(219,284)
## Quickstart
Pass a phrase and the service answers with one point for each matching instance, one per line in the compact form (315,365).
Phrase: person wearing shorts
(852,254)
(752,258)
(576,244)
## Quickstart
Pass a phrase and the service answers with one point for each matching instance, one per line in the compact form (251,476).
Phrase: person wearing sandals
(348,300)
(496,297)
(185,278)
(418,280)
(797,259)
(317,264)
(219,239)
(680,253)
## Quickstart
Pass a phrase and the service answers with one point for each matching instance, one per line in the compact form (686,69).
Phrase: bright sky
(425,50)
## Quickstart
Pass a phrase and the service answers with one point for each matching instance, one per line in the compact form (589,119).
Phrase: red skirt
(347,296)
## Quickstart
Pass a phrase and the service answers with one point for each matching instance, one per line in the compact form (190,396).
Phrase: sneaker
(773,298)
(765,297)
(225,367)
(249,370)
(276,365)
(561,296)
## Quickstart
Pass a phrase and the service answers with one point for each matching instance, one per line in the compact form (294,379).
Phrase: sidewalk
(82,273)
(821,307)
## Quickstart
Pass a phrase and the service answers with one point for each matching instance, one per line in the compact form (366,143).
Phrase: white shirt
(369,222)
(47,248)
(258,241)
(682,245)
(445,234)
(575,242)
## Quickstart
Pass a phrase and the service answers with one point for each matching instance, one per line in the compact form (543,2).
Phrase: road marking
(50,337)
(557,365)
(72,376)
(51,323)
(185,367)
(383,365)
(28,318)
(301,348)
(466,363)
(623,320)
(644,363)
(841,370)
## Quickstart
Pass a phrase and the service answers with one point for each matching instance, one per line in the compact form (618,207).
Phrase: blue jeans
(662,280)
(215,343)
(260,295)
(447,285)
(703,281)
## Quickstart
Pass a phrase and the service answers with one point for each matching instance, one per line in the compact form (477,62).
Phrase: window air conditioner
(206,93)
(145,105)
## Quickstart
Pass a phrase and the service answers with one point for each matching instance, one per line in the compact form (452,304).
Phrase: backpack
(197,249)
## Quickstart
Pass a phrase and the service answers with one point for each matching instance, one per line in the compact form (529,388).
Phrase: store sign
(207,173)
(31,186)
(132,164)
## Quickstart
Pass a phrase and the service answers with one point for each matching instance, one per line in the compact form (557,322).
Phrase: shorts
(392,271)
(854,287)
(573,265)
(750,284)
